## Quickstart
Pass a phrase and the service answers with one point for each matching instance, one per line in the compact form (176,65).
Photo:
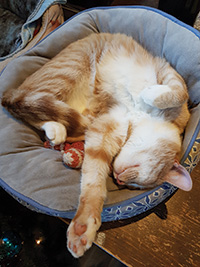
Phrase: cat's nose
(116,176)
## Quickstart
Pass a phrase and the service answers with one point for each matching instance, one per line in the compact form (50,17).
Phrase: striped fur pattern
(130,106)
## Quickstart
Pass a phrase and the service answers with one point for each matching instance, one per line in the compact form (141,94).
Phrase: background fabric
(18,21)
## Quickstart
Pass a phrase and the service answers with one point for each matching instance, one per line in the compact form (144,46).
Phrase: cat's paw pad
(80,236)
(55,132)
(152,95)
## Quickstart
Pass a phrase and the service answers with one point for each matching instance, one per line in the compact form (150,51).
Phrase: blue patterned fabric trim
(136,206)
(194,156)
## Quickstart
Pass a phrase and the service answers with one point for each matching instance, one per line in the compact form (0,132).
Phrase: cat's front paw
(154,95)
(55,132)
(80,236)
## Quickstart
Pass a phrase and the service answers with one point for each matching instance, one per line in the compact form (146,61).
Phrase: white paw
(55,132)
(152,93)
(81,236)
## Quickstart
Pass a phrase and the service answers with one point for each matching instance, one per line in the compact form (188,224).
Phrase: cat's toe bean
(83,240)
(80,228)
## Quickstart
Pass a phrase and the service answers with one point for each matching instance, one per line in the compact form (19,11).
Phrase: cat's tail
(40,108)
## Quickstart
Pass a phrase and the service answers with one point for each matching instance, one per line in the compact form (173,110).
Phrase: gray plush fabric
(38,173)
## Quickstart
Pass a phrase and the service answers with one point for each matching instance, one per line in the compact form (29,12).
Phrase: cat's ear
(179,177)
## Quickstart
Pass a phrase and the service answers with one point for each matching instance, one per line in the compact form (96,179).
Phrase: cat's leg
(170,92)
(103,141)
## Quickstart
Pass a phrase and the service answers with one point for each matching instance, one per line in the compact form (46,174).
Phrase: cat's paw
(153,95)
(55,132)
(80,236)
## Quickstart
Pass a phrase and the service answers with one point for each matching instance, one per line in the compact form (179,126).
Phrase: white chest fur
(125,78)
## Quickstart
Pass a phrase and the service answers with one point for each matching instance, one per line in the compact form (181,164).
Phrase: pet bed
(34,175)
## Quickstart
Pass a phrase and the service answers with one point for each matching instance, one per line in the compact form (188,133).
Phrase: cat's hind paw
(55,132)
(154,95)
(81,236)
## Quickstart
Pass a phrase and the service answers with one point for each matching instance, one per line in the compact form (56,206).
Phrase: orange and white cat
(130,106)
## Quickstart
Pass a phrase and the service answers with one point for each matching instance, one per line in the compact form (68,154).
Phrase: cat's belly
(137,115)
(80,97)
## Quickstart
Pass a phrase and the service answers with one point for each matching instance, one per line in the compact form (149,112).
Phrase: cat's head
(150,157)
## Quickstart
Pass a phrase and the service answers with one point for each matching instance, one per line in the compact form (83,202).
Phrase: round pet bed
(34,175)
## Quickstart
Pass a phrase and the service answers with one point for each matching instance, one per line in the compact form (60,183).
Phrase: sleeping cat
(130,106)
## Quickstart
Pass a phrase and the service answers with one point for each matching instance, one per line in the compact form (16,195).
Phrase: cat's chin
(131,185)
